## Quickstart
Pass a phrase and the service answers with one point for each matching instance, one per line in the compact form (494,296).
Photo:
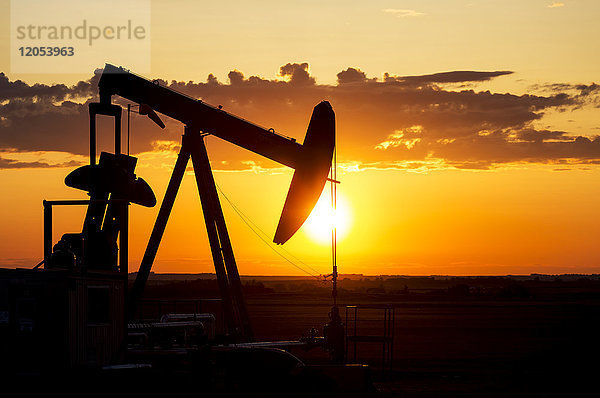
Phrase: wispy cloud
(401,13)
(555,5)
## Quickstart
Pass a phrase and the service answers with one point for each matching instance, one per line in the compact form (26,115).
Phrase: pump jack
(311,161)
(74,313)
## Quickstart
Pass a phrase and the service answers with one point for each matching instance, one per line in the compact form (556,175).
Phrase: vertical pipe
(334,227)
(47,233)
(392,339)
(124,239)
(346,331)
(118,132)
(355,322)
(128,126)
(384,353)
(92,135)
(124,262)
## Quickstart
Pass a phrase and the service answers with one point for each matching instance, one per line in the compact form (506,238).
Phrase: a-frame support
(234,306)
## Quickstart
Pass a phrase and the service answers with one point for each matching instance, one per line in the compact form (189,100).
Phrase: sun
(322,219)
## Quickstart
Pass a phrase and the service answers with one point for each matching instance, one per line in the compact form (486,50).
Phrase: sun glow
(322,219)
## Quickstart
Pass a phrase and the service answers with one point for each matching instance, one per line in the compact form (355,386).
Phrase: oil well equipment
(75,309)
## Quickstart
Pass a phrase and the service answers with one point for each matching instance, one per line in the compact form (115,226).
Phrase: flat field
(496,337)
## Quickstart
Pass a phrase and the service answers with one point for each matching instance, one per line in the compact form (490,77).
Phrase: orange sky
(473,152)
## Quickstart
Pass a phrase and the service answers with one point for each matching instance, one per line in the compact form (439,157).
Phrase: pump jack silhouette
(311,161)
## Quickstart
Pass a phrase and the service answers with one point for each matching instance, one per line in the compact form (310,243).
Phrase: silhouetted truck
(53,319)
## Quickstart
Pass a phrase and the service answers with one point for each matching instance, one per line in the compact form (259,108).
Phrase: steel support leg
(208,209)
(220,243)
(158,230)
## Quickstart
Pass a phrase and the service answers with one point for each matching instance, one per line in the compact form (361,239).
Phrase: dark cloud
(351,75)
(15,164)
(586,94)
(379,122)
(298,74)
(447,77)
(505,146)
(235,77)
(531,135)
(211,79)
(43,126)
(57,92)
(581,89)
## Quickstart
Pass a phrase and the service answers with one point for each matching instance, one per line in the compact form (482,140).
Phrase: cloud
(401,13)
(6,163)
(406,122)
(408,138)
(15,164)
(57,92)
(297,73)
(510,146)
(582,90)
(447,77)
(351,75)
(555,5)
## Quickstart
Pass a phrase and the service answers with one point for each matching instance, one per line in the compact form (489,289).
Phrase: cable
(268,237)
(248,222)
(262,231)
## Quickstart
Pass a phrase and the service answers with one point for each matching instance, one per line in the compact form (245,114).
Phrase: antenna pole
(128,125)
(333,187)
(334,330)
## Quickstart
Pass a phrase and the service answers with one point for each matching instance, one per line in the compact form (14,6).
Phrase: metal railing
(355,334)
(123,227)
